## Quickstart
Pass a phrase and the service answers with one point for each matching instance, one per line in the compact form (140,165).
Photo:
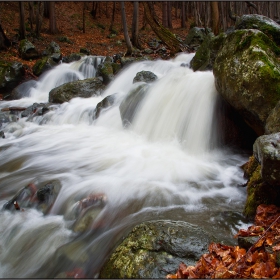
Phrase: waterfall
(166,165)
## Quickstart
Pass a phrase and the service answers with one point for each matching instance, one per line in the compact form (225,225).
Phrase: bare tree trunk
(31,14)
(183,15)
(215,17)
(113,17)
(39,17)
(4,41)
(135,25)
(125,31)
(22,31)
(169,14)
(84,17)
(164,14)
(52,26)
(93,12)
(163,33)
(46,9)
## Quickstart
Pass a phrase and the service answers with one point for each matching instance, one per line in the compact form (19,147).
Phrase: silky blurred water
(168,164)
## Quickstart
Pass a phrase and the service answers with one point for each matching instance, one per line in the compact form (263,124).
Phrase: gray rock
(131,102)
(82,88)
(273,120)
(195,37)
(11,73)
(22,90)
(156,248)
(145,76)
(267,151)
(107,102)
(27,50)
(72,57)
(45,64)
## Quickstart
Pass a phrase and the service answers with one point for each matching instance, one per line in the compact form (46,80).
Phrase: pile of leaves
(259,261)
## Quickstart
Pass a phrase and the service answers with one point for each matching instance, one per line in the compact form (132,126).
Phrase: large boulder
(106,71)
(272,122)
(82,88)
(145,76)
(27,50)
(260,22)
(43,65)
(11,73)
(156,248)
(247,75)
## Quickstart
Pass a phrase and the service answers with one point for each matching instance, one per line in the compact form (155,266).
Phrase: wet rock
(125,61)
(36,109)
(85,211)
(131,102)
(45,64)
(156,248)
(107,102)
(7,117)
(2,135)
(27,50)
(22,90)
(145,76)
(247,75)
(247,241)
(260,22)
(72,57)
(272,122)
(267,152)
(11,73)
(106,71)
(81,88)
(35,195)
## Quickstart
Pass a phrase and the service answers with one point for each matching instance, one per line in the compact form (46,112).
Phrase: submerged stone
(154,249)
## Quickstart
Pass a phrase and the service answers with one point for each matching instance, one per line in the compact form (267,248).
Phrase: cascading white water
(161,167)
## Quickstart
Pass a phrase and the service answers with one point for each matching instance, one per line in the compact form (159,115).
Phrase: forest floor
(69,18)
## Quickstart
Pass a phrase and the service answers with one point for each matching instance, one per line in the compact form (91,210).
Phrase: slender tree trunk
(215,17)
(94,9)
(164,14)
(183,15)
(169,14)
(4,41)
(31,14)
(125,31)
(39,17)
(84,17)
(22,31)
(46,9)
(52,27)
(135,25)
(163,33)
(113,17)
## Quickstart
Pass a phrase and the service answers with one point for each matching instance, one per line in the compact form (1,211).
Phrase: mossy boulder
(258,190)
(156,248)
(27,50)
(262,23)
(206,54)
(82,88)
(106,71)
(247,75)
(43,65)
(11,73)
